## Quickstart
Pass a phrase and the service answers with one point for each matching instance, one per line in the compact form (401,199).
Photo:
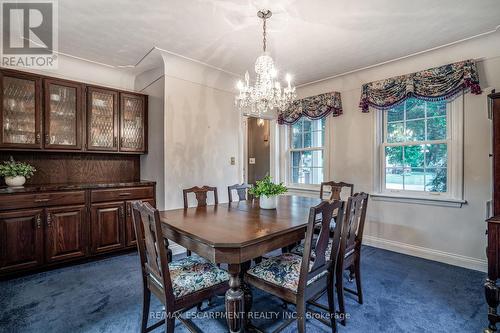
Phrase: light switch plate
(251,160)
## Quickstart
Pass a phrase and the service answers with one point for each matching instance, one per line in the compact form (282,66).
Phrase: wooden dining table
(234,234)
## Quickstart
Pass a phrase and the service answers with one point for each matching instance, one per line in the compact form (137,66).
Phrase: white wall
(152,83)
(201,129)
(452,235)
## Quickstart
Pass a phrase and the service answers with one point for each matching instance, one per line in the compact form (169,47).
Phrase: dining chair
(298,279)
(349,250)
(241,190)
(178,285)
(201,198)
(335,189)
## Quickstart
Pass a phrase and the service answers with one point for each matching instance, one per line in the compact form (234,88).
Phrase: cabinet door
(102,119)
(21,236)
(63,115)
(133,122)
(65,233)
(19,110)
(108,226)
(129,223)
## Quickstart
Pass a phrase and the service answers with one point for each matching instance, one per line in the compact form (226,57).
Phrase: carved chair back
(241,190)
(200,194)
(152,249)
(335,189)
(354,224)
(312,265)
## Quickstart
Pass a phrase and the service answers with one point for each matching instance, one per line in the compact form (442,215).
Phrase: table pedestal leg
(235,307)
(248,297)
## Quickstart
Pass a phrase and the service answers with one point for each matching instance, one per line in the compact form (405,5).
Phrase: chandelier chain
(264,39)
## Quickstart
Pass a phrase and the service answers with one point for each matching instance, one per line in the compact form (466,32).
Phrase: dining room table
(235,233)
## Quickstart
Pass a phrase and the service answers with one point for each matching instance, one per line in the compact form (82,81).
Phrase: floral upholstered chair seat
(282,270)
(194,273)
(299,250)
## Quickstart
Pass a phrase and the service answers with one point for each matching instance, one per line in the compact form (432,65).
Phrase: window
(306,151)
(418,142)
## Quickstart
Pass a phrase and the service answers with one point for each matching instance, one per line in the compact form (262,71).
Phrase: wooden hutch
(492,292)
(85,142)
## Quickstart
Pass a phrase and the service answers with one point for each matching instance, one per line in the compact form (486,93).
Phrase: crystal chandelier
(266,94)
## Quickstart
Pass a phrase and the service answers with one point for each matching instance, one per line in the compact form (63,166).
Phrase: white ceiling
(312,39)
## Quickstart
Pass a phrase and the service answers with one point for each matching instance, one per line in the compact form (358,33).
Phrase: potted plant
(15,173)
(267,192)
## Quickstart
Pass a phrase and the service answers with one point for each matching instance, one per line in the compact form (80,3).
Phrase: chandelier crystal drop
(266,94)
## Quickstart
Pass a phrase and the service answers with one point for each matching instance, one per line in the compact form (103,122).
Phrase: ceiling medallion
(266,94)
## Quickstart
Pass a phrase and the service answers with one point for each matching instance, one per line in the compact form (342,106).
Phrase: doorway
(258,149)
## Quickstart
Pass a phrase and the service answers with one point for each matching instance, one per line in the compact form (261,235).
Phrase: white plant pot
(16,181)
(268,202)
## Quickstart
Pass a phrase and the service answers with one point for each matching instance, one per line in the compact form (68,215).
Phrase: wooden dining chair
(350,249)
(179,285)
(335,189)
(241,190)
(297,279)
(201,198)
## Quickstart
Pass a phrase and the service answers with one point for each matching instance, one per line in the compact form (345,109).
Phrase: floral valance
(435,84)
(314,107)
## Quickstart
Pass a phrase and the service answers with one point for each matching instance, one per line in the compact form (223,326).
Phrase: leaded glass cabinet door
(63,115)
(102,119)
(20,110)
(132,122)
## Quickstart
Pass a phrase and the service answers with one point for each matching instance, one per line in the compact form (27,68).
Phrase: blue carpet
(402,294)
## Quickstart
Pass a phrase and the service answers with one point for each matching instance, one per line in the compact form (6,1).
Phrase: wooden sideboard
(43,113)
(43,226)
(492,292)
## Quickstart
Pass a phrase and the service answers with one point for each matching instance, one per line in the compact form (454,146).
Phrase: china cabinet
(76,117)
(20,110)
(132,122)
(63,114)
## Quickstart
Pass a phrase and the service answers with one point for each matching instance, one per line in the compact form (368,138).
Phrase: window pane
(415,130)
(295,175)
(415,108)
(394,178)
(317,138)
(436,109)
(395,132)
(317,175)
(317,158)
(307,139)
(414,179)
(436,128)
(436,155)
(296,159)
(414,156)
(394,156)
(296,137)
(436,180)
(307,124)
(396,113)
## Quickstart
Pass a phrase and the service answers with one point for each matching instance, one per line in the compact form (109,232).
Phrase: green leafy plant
(12,168)
(267,188)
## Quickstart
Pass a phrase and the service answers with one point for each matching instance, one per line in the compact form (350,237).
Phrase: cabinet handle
(47,139)
(129,210)
(37,138)
(42,200)
(115,140)
(124,194)
(49,220)
(38,221)
(120,211)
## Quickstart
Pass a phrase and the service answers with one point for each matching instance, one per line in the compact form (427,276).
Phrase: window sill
(443,202)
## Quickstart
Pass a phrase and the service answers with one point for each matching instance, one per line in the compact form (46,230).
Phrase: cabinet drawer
(32,200)
(118,194)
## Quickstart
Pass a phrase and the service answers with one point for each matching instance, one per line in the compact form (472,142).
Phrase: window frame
(454,141)
(287,151)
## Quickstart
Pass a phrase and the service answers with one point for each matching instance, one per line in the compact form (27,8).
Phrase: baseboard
(426,253)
